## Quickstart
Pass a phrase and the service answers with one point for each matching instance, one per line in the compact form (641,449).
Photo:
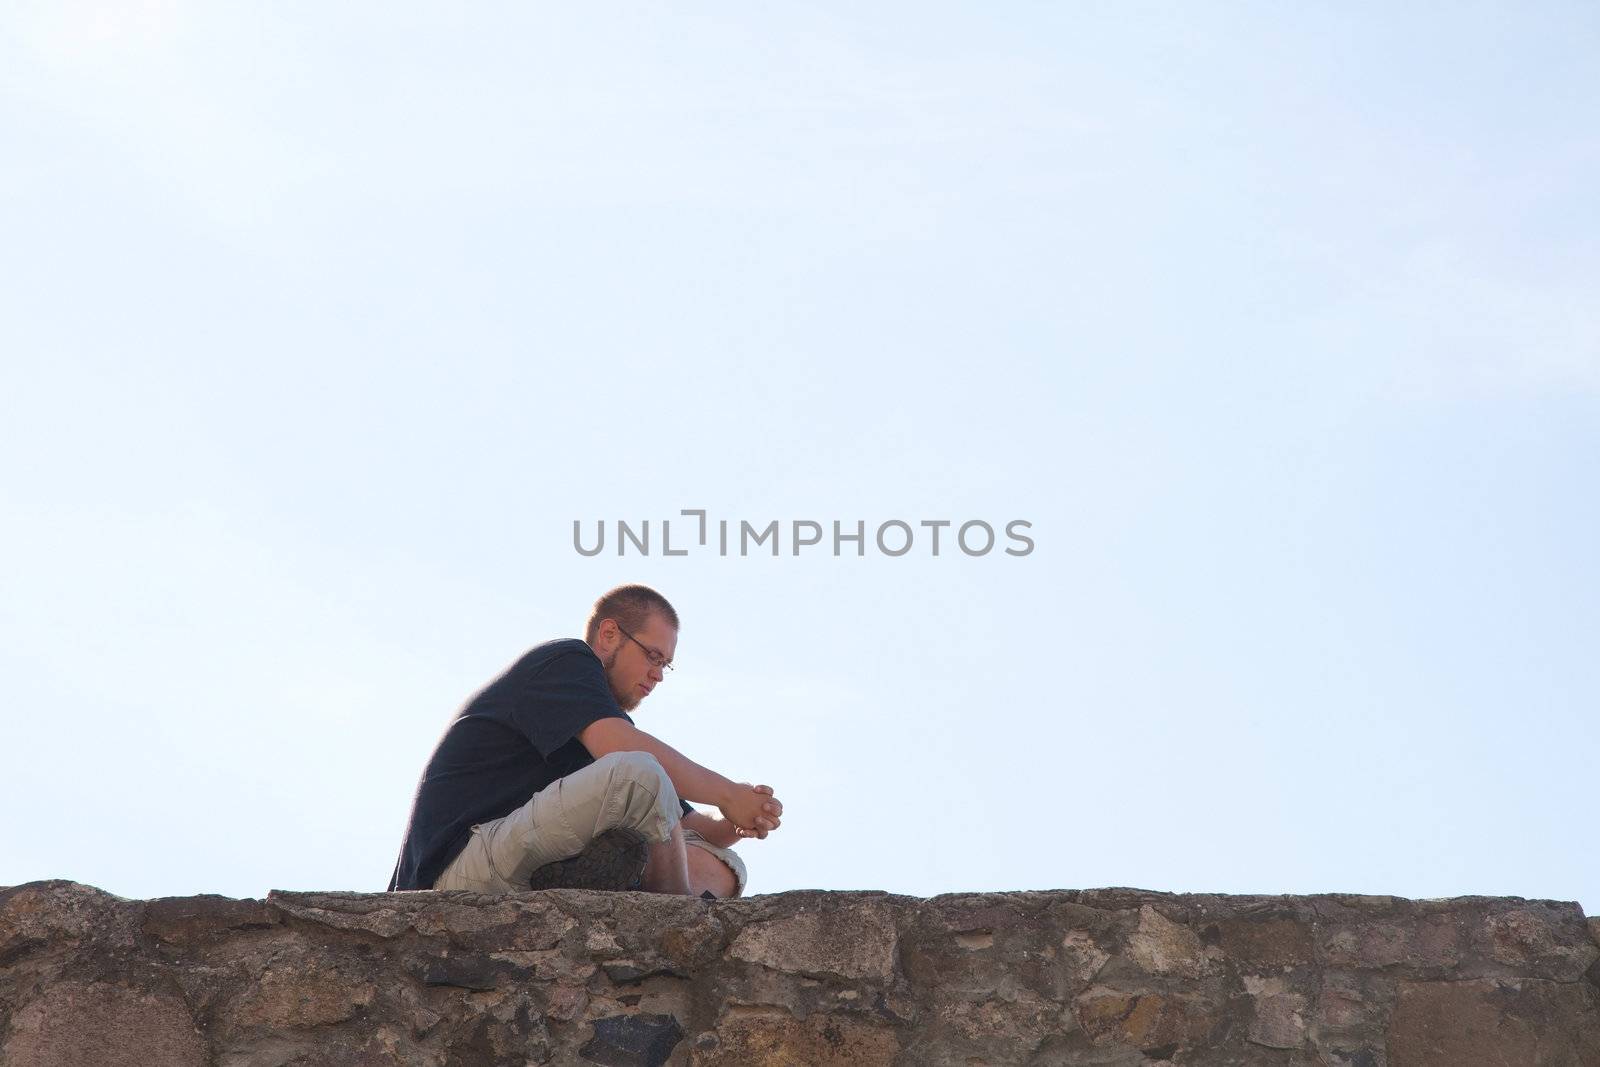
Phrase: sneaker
(614,860)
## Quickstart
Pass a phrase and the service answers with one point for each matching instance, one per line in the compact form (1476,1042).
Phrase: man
(542,780)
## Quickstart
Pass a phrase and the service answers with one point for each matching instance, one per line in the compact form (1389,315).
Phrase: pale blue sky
(321,326)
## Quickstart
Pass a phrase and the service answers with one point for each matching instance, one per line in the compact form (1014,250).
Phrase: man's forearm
(697,784)
(719,832)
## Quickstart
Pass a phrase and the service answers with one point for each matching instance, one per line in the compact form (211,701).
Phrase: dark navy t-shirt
(510,741)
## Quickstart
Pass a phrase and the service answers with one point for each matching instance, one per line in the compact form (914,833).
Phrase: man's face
(628,668)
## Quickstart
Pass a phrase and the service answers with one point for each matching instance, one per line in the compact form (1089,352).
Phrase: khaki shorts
(619,789)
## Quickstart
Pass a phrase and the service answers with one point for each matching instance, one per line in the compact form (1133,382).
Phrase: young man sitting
(542,780)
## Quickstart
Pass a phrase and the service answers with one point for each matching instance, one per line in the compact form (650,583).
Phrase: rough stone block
(853,942)
(751,1037)
(72,1024)
(1489,1021)
(632,1040)
(1109,978)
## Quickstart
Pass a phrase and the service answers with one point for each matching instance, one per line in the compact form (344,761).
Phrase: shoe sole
(614,860)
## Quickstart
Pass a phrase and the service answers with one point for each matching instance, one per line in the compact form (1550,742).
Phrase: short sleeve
(556,701)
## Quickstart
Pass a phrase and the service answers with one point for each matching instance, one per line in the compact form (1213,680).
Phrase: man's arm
(743,805)
(719,832)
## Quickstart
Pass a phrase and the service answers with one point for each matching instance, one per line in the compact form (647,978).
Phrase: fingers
(773,806)
(762,827)
(766,817)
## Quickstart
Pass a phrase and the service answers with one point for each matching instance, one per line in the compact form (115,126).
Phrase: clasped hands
(753,810)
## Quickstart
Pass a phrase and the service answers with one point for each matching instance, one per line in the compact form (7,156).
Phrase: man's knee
(710,871)
(640,790)
(639,767)
(720,870)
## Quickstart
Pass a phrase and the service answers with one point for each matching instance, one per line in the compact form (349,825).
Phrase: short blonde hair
(629,606)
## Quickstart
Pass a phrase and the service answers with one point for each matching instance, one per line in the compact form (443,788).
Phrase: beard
(628,700)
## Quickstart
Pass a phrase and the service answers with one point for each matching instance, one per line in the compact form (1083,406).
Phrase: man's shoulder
(567,652)
(561,646)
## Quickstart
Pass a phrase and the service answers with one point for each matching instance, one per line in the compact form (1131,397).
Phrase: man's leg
(720,871)
(668,868)
(707,874)
(622,789)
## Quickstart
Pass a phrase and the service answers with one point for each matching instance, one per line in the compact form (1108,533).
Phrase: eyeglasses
(656,659)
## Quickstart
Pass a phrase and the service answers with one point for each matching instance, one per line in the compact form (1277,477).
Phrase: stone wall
(1106,977)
